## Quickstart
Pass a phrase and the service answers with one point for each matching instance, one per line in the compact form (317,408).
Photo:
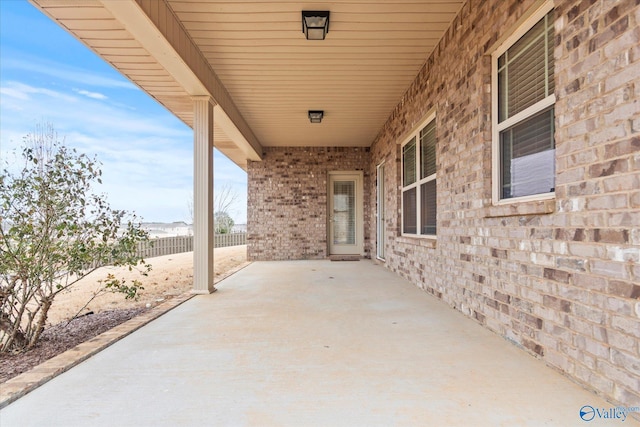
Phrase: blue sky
(46,75)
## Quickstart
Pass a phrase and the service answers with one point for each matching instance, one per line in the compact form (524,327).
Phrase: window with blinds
(419,181)
(524,126)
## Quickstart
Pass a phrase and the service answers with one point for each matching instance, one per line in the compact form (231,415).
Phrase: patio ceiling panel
(373,51)
(256,52)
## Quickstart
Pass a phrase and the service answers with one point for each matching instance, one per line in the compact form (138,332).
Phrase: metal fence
(175,245)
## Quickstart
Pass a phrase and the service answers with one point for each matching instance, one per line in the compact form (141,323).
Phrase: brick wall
(287,199)
(560,278)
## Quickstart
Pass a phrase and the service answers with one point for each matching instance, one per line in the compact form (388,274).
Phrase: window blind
(344,214)
(526,70)
(409,215)
(428,207)
(428,150)
(409,163)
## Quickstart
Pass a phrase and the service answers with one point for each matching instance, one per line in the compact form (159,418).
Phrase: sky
(47,76)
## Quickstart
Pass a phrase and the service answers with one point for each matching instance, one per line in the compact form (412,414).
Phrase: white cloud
(94,95)
(24,92)
(146,153)
(25,63)
(13,93)
(68,113)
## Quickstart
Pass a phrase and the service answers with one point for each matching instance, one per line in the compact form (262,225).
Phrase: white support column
(203,240)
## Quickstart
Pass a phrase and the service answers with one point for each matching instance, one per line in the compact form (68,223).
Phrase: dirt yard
(171,275)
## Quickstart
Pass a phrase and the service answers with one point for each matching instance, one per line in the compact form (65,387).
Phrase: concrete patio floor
(309,343)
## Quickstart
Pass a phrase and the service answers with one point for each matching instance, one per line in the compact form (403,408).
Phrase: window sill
(534,207)
(424,241)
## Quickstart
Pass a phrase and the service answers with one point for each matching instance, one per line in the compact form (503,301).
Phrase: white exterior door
(346,227)
(380,212)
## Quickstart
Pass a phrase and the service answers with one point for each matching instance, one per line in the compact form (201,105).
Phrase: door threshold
(345,257)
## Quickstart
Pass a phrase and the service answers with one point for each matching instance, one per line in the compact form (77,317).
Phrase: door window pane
(344,213)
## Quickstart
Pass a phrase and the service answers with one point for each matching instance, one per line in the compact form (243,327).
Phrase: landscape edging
(26,382)
(22,384)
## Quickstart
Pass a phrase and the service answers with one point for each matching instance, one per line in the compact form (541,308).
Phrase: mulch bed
(62,337)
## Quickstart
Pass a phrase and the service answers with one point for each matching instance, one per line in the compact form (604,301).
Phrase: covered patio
(391,139)
(309,343)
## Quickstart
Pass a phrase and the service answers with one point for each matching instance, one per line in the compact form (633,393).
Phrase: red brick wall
(561,278)
(287,199)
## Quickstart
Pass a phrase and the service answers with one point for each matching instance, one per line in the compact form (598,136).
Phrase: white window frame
(541,105)
(416,134)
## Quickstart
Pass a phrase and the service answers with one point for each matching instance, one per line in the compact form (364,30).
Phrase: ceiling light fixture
(315,24)
(315,116)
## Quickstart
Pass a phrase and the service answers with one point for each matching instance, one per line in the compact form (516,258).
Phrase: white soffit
(266,70)
(357,75)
